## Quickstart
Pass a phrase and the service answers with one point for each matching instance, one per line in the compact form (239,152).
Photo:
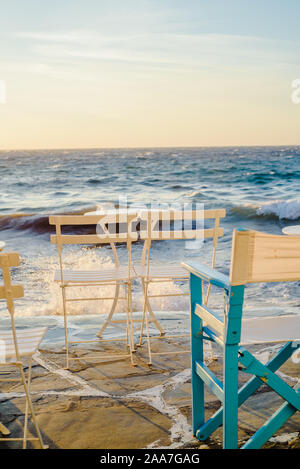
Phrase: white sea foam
(40,274)
(180,431)
(283,209)
(284,438)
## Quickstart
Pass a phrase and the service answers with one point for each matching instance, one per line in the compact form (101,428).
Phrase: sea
(258,187)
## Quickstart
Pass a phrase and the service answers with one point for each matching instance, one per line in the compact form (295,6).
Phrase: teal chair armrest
(206,273)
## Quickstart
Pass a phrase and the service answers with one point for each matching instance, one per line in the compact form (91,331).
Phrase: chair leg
(154,320)
(206,296)
(26,407)
(274,423)
(148,338)
(246,391)
(127,318)
(113,308)
(63,291)
(141,330)
(30,406)
(5,431)
(145,292)
(148,306)
(230,403)
(145,320)
(255,367)
(131,329)
(198,409)
(128,325)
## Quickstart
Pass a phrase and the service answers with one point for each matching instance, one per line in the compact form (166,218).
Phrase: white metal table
(292,230)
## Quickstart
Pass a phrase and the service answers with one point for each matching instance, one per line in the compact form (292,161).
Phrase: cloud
(77,37)
(56,71)
(105,54)
(60,73)
(162,49)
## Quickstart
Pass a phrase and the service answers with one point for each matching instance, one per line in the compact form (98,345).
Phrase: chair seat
(28,341)
(270,329)
(94,276)
(162,271)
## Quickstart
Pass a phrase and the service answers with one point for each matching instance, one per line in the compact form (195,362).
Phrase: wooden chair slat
(183,234)
(263,257)
(91,239)
(11,259)
(17,291)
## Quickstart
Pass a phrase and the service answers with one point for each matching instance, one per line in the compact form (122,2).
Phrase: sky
(148,73)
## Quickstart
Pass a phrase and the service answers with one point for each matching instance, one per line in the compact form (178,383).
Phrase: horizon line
(148,147)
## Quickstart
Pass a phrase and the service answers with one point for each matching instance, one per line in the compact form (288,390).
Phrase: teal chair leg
(247,390)
(274,423)
(287,409)
(197,354)
(230,403)
(232,331)
(270,427)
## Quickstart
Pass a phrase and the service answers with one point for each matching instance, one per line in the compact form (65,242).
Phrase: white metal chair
(171,225)
(108,232)
(17,345)
(256,257)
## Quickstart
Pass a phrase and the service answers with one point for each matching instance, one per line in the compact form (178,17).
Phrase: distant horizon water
(144,147)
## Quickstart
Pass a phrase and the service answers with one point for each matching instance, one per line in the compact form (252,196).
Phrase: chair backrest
(179,224)
(261,257)
(8,291)
(103,234)
(109,230)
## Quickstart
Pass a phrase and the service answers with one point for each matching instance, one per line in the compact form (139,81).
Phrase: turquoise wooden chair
(256,257)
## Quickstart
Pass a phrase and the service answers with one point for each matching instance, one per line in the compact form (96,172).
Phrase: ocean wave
(25,221)
(94,181)
(276,209)
(286,209)
(39,273)
(37,223)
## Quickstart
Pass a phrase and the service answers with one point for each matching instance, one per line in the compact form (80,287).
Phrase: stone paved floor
(115,405)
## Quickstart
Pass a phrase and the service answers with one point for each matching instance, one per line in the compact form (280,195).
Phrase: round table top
(291,230)
(2,245)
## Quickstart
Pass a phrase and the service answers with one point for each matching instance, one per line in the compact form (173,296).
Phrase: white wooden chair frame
(116,276)
(151,218)
(19,345)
